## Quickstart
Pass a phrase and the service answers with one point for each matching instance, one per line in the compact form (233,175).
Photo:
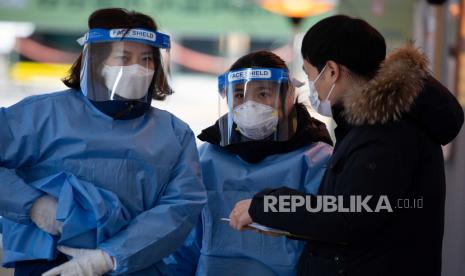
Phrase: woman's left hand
(239,216)
(84,262)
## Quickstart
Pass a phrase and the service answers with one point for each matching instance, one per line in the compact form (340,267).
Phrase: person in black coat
(392,118)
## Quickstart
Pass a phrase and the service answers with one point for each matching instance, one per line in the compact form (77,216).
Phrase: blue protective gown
(90,216)
(213,247)
(150,163)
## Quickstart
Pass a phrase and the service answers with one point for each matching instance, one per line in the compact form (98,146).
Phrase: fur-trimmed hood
(403,87)
(391,93)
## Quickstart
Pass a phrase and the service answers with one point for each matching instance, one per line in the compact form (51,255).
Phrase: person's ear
(333,71)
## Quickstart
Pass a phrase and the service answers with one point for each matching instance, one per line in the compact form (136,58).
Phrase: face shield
(256,104)
(124,65)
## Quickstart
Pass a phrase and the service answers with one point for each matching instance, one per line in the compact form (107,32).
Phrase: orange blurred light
(298,8)
(454,9)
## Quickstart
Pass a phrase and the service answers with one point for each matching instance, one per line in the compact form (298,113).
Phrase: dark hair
(120,18)
(259,59)
(264,59)
(347,41)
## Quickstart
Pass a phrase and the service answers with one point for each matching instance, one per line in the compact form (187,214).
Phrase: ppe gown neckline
(309,130)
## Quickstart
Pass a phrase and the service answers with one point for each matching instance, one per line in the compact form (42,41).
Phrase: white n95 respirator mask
(255,121)
(130,82)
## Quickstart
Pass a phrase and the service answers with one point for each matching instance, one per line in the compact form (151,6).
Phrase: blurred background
(38,45)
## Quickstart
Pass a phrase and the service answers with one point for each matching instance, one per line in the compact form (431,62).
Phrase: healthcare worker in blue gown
(93,179)
(263,139)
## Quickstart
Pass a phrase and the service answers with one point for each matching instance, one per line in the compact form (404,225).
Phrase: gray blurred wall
(454,232)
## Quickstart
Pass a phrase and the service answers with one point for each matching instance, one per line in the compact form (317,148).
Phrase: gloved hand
(43,214)
(85,262)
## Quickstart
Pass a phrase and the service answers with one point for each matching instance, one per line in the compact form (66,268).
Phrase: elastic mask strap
(319,75)
(330,91)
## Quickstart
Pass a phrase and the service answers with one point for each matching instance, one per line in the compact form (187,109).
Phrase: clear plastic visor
(124,70)
(254,107)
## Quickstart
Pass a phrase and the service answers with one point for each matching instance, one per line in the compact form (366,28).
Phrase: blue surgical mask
(322,107)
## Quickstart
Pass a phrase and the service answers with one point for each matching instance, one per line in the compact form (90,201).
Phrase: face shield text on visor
(124,64)
(255,105)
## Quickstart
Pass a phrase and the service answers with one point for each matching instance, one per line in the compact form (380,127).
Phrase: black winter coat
(389,138)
